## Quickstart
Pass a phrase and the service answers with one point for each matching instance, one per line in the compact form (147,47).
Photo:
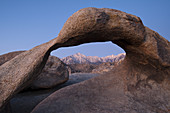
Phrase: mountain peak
(80,58)
(79,54)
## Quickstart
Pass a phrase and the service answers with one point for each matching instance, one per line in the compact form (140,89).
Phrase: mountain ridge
(79,58)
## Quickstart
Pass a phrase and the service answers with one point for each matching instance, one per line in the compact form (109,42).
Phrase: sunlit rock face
(139,84)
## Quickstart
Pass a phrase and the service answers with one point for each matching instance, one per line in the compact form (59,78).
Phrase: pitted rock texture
(54,73)
(140,84)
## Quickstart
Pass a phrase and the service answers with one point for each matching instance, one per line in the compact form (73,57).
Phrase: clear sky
(25,24)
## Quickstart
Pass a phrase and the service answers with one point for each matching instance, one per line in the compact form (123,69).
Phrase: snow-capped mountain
(80,59)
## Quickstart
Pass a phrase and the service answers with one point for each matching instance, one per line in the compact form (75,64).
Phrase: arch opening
(100,49)
(98,57)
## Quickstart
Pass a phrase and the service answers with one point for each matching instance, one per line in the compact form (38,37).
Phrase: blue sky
(25,24)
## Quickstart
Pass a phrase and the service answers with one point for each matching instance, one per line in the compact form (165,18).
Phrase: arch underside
(135,85)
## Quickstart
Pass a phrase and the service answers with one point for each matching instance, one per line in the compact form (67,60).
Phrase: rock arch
(142,80)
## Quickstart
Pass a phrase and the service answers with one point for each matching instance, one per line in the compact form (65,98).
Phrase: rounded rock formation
(25,102)
(54,73)
(20,71)
(6,57)
(139,84)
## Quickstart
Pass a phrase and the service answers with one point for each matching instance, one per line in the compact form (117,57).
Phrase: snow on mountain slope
(80,59)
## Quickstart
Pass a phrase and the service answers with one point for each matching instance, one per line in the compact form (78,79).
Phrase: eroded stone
(139,84)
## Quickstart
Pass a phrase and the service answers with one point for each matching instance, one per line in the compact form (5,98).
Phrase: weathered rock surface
(54,73)
(6,57)
(140,84)
(20,71)
(25,102)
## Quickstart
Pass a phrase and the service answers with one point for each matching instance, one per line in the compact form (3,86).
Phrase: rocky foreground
(140,84)
(26,101)
(54,73)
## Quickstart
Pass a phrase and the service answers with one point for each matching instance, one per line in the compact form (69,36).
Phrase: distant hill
(79,58)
